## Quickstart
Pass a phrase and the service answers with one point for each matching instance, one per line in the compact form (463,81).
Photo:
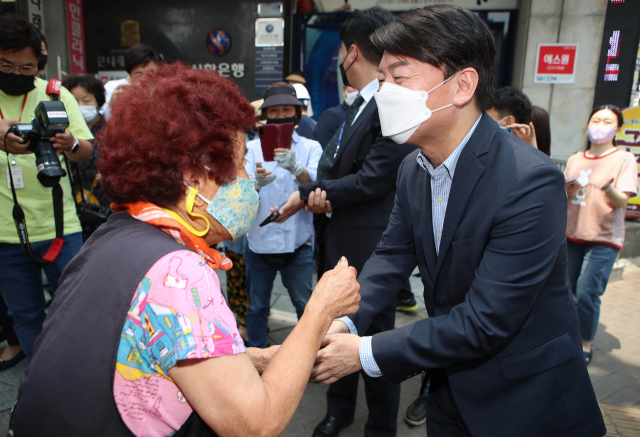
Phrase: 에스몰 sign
(556,64)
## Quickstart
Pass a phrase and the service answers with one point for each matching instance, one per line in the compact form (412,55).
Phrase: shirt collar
(368,91)
(451,162)
(295,137)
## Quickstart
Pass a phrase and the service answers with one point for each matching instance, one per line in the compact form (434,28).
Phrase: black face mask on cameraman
(42,62)
(282,120)
(16,84)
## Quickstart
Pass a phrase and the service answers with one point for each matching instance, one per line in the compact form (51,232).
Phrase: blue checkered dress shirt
(441,179)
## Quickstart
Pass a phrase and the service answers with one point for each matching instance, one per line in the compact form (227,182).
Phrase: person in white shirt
(279,247)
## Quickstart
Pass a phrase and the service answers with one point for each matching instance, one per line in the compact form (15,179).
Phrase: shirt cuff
(369,364)
(347,321)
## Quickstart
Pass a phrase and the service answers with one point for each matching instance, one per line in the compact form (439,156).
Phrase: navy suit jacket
(502,322)
(328,123)
(361,195)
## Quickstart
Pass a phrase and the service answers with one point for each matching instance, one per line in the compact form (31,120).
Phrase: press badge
(18,180)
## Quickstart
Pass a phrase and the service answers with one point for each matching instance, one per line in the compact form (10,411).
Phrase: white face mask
(402,110)
(89,113)
(350,97)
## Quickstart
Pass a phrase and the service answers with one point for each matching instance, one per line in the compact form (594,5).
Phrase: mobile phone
(566,184)
(272,216)
(274,136)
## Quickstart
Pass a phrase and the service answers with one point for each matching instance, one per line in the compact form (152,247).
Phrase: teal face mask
(235,206)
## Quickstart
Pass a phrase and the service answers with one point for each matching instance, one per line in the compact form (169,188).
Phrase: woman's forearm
(618,198)
(288,373)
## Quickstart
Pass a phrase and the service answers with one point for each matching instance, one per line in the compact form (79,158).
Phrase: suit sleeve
(391,264)
(375,179)
(526,238)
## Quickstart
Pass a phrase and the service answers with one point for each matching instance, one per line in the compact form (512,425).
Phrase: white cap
(303,95)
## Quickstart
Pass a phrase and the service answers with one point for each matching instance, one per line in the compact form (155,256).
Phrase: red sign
(75,27)
(556,63)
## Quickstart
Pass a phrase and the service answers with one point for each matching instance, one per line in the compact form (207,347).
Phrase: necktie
(331,151)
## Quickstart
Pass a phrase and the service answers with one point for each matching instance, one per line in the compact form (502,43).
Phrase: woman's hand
(263,177)
(337,292)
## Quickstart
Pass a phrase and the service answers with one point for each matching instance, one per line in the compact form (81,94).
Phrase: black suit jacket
(502,322)
(362,199)
(328,123)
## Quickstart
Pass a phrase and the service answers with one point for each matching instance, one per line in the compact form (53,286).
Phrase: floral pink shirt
(178,312)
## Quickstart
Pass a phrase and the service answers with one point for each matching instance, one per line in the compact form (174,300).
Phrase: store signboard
(629,139)
(269,32)
(556,64)
(75,29)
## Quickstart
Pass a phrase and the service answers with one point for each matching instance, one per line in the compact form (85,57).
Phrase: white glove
(263,180)
(288,161)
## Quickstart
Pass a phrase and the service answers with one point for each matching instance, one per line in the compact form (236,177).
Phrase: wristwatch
(75,145)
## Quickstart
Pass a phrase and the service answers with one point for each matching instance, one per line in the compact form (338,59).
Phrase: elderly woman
(139,340)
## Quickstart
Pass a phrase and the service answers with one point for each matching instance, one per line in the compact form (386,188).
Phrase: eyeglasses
(25,69)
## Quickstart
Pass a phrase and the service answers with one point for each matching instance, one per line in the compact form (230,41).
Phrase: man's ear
(467,82)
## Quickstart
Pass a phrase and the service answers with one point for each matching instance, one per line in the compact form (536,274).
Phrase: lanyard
(339,139)
(24,102)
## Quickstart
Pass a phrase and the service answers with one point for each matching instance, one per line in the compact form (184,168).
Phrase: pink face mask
(601,134)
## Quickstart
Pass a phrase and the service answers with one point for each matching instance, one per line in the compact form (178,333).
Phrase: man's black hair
(39,32)
(449,38)
(16,34)
(88,82)
(510,101)
(138,54)
(357,28)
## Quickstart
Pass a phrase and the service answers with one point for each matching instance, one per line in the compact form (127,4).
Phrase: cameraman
(20,93)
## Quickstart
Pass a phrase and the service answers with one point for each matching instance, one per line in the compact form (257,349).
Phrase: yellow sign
(629,139)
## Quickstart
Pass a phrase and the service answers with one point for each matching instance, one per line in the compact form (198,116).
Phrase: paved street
(615,370)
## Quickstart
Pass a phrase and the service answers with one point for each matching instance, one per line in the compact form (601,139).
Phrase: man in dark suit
(329,122)
(357,173)
(483,216)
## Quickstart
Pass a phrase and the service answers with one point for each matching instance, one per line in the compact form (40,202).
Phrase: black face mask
(343,72)
(42,62)
(16,84)
(282,120)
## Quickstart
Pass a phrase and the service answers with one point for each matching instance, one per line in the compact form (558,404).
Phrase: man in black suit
(331,118)
(357,174)
(483,216)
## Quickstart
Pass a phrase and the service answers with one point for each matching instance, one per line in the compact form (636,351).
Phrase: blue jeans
(297,278)
(589,268)
(21,285)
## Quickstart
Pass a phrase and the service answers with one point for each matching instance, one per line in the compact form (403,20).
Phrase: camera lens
(48,164)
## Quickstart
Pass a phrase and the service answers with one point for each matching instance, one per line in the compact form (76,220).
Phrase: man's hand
(15,144)
(262,357)
(63,142)
(526,132)
(339,357)
(287,159)
(116,93)
(293,205)
(318,202)
(338,327)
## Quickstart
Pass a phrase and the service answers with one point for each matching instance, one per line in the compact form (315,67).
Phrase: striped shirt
(441,179)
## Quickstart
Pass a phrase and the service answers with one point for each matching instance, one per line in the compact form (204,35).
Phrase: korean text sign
(556,63)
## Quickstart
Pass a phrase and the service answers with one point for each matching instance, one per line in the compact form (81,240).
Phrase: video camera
(50,119)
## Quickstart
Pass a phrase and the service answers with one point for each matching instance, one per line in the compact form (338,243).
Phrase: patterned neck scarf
(156,216)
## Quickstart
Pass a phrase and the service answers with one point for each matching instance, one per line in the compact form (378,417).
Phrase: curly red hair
(174,120)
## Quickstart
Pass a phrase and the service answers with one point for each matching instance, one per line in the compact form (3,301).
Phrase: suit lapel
(468,172)
(426,221)
(362,122)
